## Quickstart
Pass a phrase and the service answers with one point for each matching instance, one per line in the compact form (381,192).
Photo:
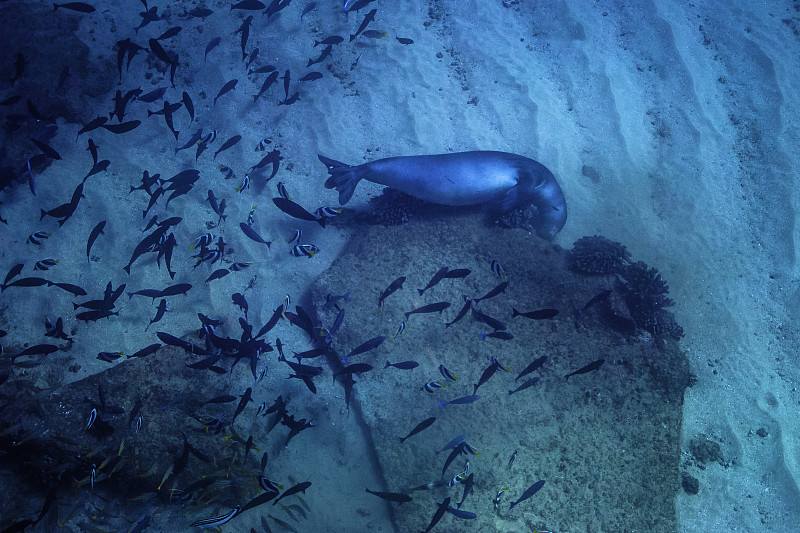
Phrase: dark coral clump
(521,217)
(645,293)
(598,255)
(393,207)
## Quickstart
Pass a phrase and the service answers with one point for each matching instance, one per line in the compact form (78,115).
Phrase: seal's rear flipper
(342,177)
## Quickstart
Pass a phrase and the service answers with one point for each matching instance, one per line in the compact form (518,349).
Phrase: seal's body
(465,178)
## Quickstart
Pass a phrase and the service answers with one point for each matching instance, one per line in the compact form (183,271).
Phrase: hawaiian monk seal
(466,178)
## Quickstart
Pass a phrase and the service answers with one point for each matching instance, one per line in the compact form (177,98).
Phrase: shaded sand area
(671,128)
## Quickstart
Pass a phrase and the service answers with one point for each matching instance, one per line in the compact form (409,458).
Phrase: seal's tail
(342,177)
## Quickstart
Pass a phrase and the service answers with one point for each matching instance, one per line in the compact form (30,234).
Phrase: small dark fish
(457,273)
(403,365)
(291,100)
(14,272)
(246,398)
(46,149)
(189,105)
(595,299)
(100,166)
(193,140)
(300,487)
(92,316)
(391,289)
(153,95)
(147,350)
(492,293)
(159,51)
(93,125)
(268,82)
(273,158)
(437,307)
(366,346)
(536,364)
(488,320)
(27,282)
(276,315)
(530,383)
(367,19)
(11,100)
(71,288)
(286,77)
(81,7)
(125,127)
(355,368)
(595,365)
(322,56)
(334,39)
(227,144)
(397,497)
(38,349)
(488,372)
(296,210)
(213,43)
(171,32)
(221,399)
(217,274)
(405,40)
(261,499)
(92,148)
(312,76)
(173,290)
(306,10)
(226,88)
(468,484)
(302,319)
(248,5)
(541,314)
(466,307)
(502,335)
(96,232)
(461,401)
(251,233)
(419,427)
(533,489)
(160,311)
(464,515)
(439,512)
(216,206)
(439,276)
(56,330)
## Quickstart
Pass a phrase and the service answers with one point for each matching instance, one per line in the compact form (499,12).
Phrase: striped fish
(216,521)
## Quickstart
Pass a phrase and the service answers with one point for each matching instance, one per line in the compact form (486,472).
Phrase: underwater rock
(554,421)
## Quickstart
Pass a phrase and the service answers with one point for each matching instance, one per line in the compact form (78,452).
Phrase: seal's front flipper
(511,200)
(342,177)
